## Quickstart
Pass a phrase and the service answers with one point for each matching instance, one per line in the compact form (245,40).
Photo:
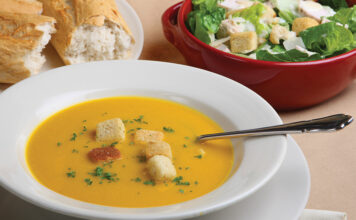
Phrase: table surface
(331,157)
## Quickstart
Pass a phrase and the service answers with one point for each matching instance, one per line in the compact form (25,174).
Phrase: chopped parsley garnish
(149,182)
(113,144)
(181,191)
(138,179)
(59,144)
(84,121)
(85,128)
(86,146)
(177,179)
(187,168)
(138,128)
(131,143)
(199,156)
(71,174)
(141,158)
(105,113)
(139,119)
(98,171)
(196,182)
(103,145)
(74,136)
(123,165)
(125,121)
(185,146)
(168,129)
(183,183)
(108,163)
(110,176)
(88,181)
(75,151)
(187,138)
(131,130)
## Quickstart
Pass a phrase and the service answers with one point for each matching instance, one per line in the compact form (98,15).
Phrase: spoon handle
(326,124)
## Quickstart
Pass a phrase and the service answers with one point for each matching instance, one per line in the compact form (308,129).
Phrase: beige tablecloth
(331,157)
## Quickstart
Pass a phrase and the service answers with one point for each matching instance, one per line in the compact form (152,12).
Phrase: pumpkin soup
(64,153)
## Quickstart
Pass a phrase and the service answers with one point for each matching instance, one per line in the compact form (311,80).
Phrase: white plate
(233,106)
(132,20)
(283,198)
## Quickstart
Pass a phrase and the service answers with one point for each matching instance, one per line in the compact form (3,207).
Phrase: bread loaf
(21,6)
(22,38)
(89,30)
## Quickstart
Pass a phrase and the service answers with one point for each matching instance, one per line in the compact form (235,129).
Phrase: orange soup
(57,153)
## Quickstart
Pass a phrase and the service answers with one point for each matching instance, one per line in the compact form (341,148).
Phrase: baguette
(89,30)
(21,6)
(22,38)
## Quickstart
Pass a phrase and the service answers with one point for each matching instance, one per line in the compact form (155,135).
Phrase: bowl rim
(73,210)
(181,24)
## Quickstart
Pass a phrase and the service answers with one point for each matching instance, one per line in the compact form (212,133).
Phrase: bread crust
(18,37)
(70,17)
(21,6)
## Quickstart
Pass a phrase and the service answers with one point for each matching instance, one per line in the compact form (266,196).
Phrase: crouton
(110,130)
(279,33)
(161,168)
(158,148)
(244,42)
(269,15)
(104,154)
(301,24)
(144,136)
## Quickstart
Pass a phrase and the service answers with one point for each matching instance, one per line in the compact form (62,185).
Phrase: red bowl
(285,85)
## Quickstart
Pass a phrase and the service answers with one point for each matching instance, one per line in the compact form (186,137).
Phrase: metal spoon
(326,124)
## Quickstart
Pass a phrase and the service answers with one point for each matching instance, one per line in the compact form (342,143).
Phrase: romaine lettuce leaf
(204,21)
(287,16)
(201,32)
(346,16)
(327,39)
(290,6)
(278,48)
(253,14)
(209,5)
(334,4)
(286,56)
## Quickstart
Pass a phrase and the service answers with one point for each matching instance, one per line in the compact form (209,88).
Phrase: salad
(275,30)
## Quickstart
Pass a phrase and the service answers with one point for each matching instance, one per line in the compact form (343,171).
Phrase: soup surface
(57,153)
